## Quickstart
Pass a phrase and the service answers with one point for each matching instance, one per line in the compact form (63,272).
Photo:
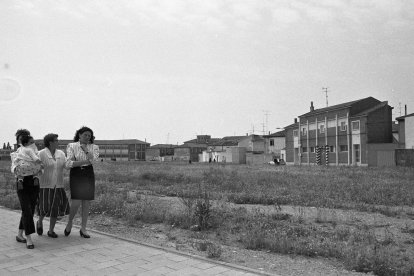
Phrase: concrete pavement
(102,254)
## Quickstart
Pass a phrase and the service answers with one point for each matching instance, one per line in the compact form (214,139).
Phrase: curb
(168,250)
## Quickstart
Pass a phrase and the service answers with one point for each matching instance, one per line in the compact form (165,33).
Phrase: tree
(4,145)
(8,145)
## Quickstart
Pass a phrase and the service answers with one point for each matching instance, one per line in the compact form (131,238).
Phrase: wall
(257,159)
(404,157)
(379,125)
(381,154)
(409,132)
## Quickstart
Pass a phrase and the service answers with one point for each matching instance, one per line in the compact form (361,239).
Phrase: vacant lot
(357,218)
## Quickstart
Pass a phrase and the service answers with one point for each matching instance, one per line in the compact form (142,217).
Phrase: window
(312,149)
(295,133)
(343,126)
(272,142)
(357,153)
(304,149)
(322,128)
(355,125)
(331,148)
(343,147)
(304,131)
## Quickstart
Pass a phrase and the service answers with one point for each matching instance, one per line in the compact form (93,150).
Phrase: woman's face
(85,137)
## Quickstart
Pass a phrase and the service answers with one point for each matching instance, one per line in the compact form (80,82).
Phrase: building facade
(275,143)
(343,134)
(406,131)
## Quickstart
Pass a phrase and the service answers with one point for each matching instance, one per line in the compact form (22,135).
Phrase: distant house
(119,150)
(352,133)
(187,153)
(160,152)
(274,143)
(253,143)
(406,131)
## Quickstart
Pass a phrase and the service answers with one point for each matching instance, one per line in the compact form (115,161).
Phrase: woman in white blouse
(80,156)
(53,201)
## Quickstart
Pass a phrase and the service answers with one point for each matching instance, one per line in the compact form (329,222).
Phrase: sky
(164,71)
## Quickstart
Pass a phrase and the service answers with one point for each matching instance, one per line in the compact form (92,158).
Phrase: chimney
(296,120)
(311,107)
(405,110)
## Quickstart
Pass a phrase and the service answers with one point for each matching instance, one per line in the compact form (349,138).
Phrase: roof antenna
(325,90)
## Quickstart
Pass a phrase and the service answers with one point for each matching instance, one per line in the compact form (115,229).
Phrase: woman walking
(28,194)
(80,156)
(53,202)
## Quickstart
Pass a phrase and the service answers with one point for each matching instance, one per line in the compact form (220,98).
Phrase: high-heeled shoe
(67,233)
(52,234)
(86,236)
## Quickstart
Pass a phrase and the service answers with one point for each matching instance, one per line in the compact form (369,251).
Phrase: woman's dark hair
(82,130)
(49,138)
(25,139)
(21,132)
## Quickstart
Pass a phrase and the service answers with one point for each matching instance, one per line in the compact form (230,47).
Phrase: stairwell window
(343,148)
(272,142)
(304,131)
(322,128)
(304,149)
(355,125)
(295,133)
(343,126)
(312,149)
(331,148)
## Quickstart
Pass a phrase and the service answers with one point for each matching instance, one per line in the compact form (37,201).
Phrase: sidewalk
(100,255)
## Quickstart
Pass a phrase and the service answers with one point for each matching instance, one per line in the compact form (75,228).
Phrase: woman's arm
(70,159)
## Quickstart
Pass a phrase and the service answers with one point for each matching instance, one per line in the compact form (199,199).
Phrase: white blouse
(74,152)
(53,171)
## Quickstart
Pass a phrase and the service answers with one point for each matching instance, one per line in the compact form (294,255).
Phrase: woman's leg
(85,214)
(28,199)
(73,210)
(52,224)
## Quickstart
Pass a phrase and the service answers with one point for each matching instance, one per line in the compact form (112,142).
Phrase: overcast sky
(168,70)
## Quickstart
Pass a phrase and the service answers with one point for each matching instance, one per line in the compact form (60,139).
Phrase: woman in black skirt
(80,156)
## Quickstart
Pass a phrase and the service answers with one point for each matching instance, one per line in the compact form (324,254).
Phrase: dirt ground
(187,241)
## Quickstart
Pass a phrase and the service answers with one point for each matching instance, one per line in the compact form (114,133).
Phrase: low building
(253,143)
(406,131)
(160,152)
(274,143)
(115,150)
(188,153)
(5,154)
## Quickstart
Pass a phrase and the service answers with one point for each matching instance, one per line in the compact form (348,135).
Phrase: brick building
(352,133)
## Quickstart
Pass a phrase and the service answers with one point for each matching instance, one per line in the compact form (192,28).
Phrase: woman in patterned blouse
(80,156)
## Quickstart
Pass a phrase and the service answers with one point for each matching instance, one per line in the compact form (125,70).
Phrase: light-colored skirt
(53,202)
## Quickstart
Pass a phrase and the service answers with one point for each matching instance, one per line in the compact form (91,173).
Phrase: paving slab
(102,254)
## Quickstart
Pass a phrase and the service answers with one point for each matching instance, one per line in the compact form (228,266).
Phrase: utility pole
(325,90)
(400,107)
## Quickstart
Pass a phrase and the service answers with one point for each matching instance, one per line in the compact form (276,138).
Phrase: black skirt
(82,183)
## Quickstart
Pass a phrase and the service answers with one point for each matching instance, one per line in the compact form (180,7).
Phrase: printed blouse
(74,152)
